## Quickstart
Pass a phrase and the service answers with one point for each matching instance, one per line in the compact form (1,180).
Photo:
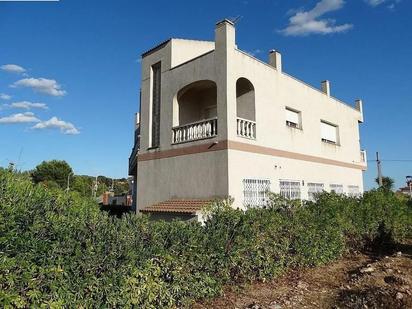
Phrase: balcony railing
(363,156)
(246,128)
(195,131)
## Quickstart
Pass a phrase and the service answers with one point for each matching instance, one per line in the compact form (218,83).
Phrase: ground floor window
(255,192)
(290,189)
(353,191)
(338,189)
(314,189)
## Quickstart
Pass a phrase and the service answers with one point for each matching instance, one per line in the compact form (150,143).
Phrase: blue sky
(80,60)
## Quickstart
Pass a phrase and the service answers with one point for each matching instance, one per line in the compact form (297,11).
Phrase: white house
(217,122)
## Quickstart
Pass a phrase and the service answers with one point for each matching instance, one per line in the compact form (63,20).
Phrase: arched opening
(245,108)
(197,101)
(195,113)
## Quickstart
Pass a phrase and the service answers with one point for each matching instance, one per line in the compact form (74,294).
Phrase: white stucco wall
(220,173)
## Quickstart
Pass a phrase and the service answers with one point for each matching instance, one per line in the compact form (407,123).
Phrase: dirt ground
(362,280)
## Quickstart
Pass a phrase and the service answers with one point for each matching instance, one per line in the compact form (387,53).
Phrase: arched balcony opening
(245,108)
(195,114)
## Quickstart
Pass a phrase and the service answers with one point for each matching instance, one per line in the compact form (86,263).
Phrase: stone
(369,269)
(399,296)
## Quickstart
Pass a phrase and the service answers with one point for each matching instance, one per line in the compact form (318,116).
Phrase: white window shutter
(292,116)
(328,132)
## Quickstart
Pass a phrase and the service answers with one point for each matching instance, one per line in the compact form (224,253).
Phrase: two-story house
(217,122)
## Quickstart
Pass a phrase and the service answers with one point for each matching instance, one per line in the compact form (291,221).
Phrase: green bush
(59,250)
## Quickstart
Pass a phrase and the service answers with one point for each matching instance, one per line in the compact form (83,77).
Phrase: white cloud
(4,96)
(13,68)
(43,85)
(308,22)
(55,123)
(27,105)
(374,2)
(391,4)
(19,118)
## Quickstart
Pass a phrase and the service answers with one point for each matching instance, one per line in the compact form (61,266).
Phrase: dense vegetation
(58,174)
(57,249)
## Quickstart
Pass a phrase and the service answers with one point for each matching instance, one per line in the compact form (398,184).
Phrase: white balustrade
(195,131)
(246,128)
(363,156)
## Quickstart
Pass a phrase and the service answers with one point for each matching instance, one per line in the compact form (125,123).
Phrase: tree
(387,183)
(53,171)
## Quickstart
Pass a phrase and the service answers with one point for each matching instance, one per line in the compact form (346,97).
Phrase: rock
(274,306)
(399,296)
(399,253)
(302,285)
(369,269)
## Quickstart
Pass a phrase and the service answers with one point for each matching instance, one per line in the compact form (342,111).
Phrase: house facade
(217,122)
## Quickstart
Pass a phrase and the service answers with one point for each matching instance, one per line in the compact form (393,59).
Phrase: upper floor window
(255,192)
(155,115)
(329,132)
(290,189)
(314,189)
(293,118)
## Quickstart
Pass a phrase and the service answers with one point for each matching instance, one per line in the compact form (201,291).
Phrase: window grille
(353,191)
(313,190)
(255,192)
(338,189)
(290,189)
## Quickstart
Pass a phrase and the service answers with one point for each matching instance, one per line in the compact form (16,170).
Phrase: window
(338,189)
(353,191)
(293,118)
(156,89)
(329,132)
(290,189)
(314,189)
(255,192)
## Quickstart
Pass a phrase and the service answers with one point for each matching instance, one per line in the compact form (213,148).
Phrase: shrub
(58,249)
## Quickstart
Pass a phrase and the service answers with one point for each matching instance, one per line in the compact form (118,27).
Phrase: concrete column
(225,46)
(275,60)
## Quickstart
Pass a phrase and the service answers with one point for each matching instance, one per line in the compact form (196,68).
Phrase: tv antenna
(236,19)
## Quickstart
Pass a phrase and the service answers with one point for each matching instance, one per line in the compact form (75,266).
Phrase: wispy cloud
(43,85)
(4,96)
(309,22)
(13,68)
(26,105)
(19,118)
(391,3)
(374,2)
(55,123)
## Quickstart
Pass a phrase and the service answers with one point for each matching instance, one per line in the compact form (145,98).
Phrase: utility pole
(94,189)
(68,182)
(378,164)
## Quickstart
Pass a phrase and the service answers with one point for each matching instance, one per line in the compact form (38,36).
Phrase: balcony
(195,131)
(246,128)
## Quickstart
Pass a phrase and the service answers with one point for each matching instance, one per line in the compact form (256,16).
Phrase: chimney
(325,86)
(225,34)
(275,60)
(359,107)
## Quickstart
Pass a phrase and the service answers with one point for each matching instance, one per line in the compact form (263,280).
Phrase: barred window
(353,191)
(338,189)
(314,189)
(255,192)
(290,189)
